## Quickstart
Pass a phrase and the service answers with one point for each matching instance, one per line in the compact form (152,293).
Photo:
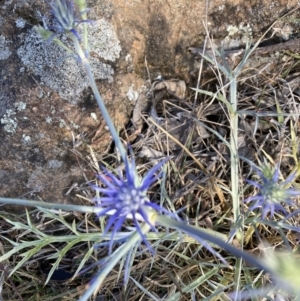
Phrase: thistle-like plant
(272,193)
(122,197)
(65,18)
(125,197)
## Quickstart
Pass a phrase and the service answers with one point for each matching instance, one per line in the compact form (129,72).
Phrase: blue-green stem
(97,281)
(200,235)
(86,64)
(81,4)
(57,206)
(54,206)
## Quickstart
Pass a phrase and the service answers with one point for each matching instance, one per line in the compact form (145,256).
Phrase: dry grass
(197,182)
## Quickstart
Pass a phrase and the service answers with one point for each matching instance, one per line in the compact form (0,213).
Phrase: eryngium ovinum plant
(273,194)
(125,196)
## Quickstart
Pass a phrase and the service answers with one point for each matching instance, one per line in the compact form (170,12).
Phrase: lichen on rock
(10,123)
(65,75)
(4,50)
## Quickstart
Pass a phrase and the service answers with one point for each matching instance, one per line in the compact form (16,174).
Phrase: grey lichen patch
(10,123)
(20,106)
(54,164)
(232,30)
(4,49)
(66,76)
(48,119)
(104,40)
(62,123)
(20,23)
(26,139)
(237,35)
(132,94)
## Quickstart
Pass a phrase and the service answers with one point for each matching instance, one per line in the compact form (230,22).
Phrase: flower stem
(86,64)
(54,206)
(200,235)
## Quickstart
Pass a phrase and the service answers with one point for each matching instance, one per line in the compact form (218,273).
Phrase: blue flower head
(272,193)
(65,18)
(126,197)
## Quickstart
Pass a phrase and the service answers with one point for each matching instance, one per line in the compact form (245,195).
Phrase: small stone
(26,139)
(94,116)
